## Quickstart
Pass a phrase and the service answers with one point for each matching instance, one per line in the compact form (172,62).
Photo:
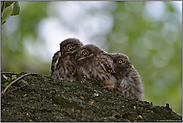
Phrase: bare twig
(14,89)
(1,4)
(3,8)
(18,88)
(2,93)
(9,73)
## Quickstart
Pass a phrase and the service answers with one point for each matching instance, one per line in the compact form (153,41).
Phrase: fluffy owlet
(63,66)
(92,62)
(129,82)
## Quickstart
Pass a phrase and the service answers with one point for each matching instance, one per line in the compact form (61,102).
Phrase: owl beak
(62,51)
(128,63)
(76,56)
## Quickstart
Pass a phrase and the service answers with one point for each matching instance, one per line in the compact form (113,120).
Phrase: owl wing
(130,84)
(107,64)
(55,60)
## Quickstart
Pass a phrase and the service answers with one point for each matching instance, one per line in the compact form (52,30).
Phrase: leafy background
(148,32)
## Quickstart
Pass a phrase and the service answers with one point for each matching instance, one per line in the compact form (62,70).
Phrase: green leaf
(6,83)
(2,22)
(8,3)
(14,76)
(5,77)
(16,9)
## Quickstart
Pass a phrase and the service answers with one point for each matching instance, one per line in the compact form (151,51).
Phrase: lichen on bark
(39,98)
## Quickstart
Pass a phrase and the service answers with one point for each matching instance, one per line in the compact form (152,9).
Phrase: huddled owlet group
(77,62)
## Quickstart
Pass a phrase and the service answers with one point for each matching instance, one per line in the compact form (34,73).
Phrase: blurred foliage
(5,4)
(14,55)
(153,46)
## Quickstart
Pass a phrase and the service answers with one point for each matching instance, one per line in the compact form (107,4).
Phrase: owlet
(129,83)
(63,66)
(92,62)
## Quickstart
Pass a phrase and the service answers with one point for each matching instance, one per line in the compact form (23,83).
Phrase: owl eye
(84,52)
(121,61)
(70,47)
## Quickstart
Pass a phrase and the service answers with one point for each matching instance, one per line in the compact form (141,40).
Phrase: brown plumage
(63,66)
(92,62)
(55,60)
(129,82)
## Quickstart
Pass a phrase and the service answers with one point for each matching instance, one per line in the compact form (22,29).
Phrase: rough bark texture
(44,98)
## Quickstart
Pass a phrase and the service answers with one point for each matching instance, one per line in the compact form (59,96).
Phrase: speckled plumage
(92,62)
(63,66)
(55,60)
(129,83)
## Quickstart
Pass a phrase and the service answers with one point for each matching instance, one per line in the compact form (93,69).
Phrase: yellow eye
(70,47)
(84,52)
(121,61)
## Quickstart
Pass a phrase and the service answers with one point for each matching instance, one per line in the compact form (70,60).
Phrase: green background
(153,45)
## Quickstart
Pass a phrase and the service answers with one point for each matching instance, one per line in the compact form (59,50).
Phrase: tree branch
(2,93)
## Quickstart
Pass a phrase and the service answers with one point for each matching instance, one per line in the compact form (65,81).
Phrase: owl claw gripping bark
(109,87)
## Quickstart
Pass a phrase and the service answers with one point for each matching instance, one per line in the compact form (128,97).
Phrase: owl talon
(84,78)
(109,87)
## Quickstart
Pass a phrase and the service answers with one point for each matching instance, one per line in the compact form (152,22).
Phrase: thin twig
(19,88)
(3,10)
(9,73)
(15,89)
(2,93)
(1,4)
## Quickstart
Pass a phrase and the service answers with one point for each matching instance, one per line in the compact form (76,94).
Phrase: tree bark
(39,98)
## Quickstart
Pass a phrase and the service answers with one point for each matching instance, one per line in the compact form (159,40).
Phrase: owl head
(87,52)
(121,61)
(69,46)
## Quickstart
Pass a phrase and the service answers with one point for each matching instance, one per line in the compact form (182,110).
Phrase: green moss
(46,99)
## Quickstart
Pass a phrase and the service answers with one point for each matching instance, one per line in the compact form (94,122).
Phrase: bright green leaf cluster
(16,9)
(5,4)
(8,3)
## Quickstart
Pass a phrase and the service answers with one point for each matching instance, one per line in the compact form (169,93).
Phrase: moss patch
(37,98)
